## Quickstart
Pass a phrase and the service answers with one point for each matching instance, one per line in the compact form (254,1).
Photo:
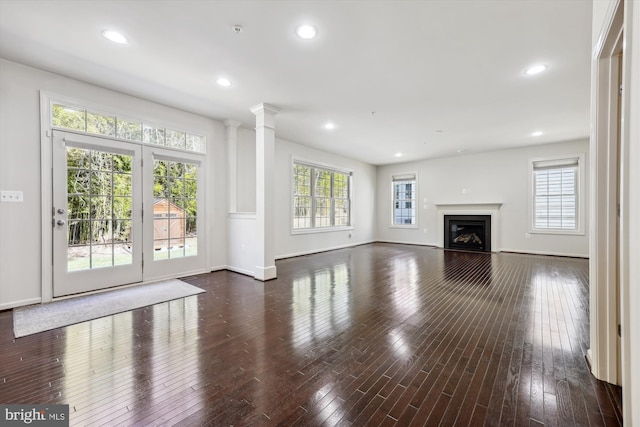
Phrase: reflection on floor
(378,334)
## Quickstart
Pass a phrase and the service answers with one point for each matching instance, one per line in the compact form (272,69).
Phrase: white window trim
(295,231)
(54,98)
(394,177)
(315,164)
(47,99)
(580,194)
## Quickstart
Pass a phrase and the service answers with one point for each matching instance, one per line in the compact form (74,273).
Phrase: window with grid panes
(404,200)
(111,125)
(321,197)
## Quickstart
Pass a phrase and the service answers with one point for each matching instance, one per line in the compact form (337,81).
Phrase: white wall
(363,202)
(242,250)
(598,16)
(20,223)
(246,144)
(242,224)
(493,177)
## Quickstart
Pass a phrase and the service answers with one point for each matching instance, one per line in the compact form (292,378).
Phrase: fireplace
(467,232)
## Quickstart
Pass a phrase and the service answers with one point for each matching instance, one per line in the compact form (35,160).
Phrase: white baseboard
(522,251)
(173,276)
(219,267)
(265,274)
(399,242)
(317,251)
(590,361)
(240,270)
(20,303)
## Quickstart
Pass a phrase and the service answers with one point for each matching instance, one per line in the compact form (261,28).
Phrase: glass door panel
(97,188)
(175,207)
(174,220)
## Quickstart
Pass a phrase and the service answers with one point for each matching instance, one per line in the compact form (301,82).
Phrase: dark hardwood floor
(378,334)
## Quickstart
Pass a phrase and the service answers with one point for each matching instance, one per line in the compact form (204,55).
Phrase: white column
(231,137)
(265,192)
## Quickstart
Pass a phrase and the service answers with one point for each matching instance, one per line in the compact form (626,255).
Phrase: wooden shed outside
(168,224)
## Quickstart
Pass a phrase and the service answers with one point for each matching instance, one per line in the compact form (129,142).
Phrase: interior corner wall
(491,177)
(241,251)
(241,225)
(362,199)
(20,169)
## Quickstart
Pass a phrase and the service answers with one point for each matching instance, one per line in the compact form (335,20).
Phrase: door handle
(60,222)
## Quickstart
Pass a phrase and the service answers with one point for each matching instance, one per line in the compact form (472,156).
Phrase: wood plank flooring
(378,335)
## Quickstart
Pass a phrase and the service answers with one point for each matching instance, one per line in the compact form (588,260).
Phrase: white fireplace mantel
(473,208)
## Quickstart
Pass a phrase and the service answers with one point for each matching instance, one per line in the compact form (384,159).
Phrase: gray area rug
(43,317)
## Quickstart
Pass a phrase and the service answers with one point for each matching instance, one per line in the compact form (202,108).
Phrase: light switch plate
(11,196)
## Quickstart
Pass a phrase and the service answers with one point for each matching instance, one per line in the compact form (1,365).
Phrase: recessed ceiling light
(114,36)
(306,32)
(223,82)
(536,133)
(398,154)
(535,69)
(329,126)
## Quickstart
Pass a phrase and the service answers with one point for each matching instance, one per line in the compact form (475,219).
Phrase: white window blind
(555,184)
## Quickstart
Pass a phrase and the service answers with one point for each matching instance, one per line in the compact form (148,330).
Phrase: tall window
(555,194)
(404,199)
(321,197)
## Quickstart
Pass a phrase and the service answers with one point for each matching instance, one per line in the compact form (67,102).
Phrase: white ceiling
(441,76)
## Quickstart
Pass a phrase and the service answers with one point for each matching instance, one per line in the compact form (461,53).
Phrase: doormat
(43,317)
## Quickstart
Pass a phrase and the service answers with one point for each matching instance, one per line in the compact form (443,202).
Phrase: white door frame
(603,242)
(46,200)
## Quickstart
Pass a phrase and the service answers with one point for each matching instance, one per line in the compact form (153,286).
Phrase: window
(555,187)
(404,200)
(81,119)
(321,197)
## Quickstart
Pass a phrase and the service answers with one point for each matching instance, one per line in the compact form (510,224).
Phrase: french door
(173,213)
(97,213)
(123,213)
